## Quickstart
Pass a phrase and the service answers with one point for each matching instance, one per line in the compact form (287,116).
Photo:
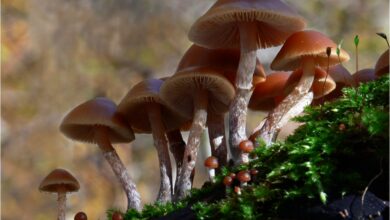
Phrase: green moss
(336,152)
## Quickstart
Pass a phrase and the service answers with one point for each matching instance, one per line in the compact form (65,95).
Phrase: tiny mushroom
(237,190)
(117,216)
(248,25)
(246,147)
(211,163)
(244,177)
(97,121)
(303,49)
(60,181)
(382,65)
(195,93)
(227,181)
(145,110)
(81,216)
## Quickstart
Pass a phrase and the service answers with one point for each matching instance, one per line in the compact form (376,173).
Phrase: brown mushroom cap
(218,27)
(134,107)
(244,176)
(382,65)
(246,146)
(319,79)
(263,96)
(179,90)
(211,162)
(227,180)
(225,61)
(59,180)
(307,43)
(341,75)
(364,75)
(79,124)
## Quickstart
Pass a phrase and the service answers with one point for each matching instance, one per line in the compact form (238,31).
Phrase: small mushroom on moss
(117,216)
(81,216)
(60,181)
(227,181)
(237,190)
(244,177)
(211,163)
(97,121)
(364,75)
(246,147)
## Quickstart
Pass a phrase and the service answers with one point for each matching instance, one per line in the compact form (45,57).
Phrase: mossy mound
(342,149)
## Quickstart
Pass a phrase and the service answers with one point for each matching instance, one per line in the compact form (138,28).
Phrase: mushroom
(177,147)
(81,216)
(246,147)
(237,190)
(248,25)
(342,77)
(96,121)
(195,92)
(244,177)
(227,181)
(211,163)
(382,65)
(60,181)
(265,93)
(303,49)
(364,75)
(117,216)
(144,109)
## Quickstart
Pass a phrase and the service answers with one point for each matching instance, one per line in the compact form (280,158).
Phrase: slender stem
(272,124)
(216,128)
(61,205)
(161,144)
(323,85)
(191,151)
(239,105)
(177,147)
(120,171)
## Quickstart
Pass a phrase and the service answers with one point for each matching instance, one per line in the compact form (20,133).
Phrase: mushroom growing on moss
(145,110)
(211,163)
(248,25)
(303,49)
(60,181)
(97,121)
(246,147)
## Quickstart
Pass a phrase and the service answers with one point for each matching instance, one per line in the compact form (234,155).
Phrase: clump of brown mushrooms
(97,121)
(248,25)
(144,109)
(60,181)
(195,93)
(306,50)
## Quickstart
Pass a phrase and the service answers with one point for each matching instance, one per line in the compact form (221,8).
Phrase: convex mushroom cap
(364,75)
(305,44)
(59,180)
(218,27)
(211,162)
(134,107)
(179,90)
(264,94)
(318,83)
(80,123)
(382,65)
(223,61)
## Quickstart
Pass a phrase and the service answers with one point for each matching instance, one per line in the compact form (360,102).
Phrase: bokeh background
(56,54)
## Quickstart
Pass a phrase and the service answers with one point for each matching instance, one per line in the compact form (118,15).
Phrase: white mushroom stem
(120,171)
(272,124)
(239,105)
(216,129)
(211,174)
(161,144)
(191,151)
(61,202)
(177,147)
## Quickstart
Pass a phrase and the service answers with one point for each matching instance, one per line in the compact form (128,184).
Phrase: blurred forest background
(56,54)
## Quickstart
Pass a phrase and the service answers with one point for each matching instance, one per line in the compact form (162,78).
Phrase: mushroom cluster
(219,75)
